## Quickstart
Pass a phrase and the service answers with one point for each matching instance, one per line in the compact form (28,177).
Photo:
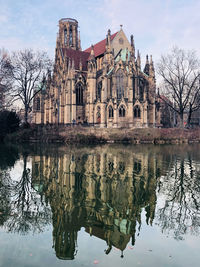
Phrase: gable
(120,42)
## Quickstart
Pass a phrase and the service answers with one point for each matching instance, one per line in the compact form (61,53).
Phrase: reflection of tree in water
(5,208)
(103,190)
(8,156)
(180,213)
(21,207)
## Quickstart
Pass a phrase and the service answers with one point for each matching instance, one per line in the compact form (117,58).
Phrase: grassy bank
(91,135)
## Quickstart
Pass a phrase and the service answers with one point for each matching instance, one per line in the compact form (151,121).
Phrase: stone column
(130,101)
(67,108)
(145,119)
(74,36)
(154,115)
(73,117)
(115,119)
(92,96)
(103,115)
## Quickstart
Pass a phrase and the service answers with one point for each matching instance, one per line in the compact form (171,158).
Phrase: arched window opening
(141,89)
(79,94)
(120,84)
(137,167)
(38,103)
(70,36)
(110,112)
(121,167)
(110,166)
(122,111)
(98,115)
(65,36)
(99,87)
(137,112)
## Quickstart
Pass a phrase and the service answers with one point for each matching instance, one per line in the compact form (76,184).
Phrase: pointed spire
(91,60)
(132,50)
(92,50)
(92,55)
(151,60)
(151,68)
(138,60)
(109,37)
(132,42)
(147,59)
(146,68)
(108,42)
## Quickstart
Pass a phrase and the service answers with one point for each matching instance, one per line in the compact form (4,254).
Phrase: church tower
(68,34)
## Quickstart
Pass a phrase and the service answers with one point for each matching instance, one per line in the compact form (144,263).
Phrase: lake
(109,205)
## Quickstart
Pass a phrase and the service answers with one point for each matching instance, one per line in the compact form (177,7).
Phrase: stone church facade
(102,86)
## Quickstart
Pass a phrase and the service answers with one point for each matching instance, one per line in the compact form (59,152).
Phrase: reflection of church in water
(103,190)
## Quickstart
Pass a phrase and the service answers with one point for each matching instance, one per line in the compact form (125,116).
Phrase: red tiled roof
(164,99)
(100,47)
(76,56)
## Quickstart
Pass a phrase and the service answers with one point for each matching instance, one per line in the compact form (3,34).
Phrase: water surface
(110,205)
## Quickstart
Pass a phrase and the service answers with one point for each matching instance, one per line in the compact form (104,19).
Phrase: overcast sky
(157,25)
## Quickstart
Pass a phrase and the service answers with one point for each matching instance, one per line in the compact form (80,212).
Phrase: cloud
(157,25)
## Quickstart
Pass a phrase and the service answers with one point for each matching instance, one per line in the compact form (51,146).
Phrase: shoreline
(91,135)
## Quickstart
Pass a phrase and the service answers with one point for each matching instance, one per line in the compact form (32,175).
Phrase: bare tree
(27,71)
(180,72)
(4,82)
(3,56)
(180,212)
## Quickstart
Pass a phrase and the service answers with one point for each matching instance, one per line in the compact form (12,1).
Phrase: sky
(157,25)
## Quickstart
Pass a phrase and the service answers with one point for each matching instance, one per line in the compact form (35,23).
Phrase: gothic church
(102,86)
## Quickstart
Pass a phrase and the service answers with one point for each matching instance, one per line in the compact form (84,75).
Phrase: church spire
(92,61)
(146,68)
(92,55)
(151,68)
(132,49)
(138,60)
(108,42)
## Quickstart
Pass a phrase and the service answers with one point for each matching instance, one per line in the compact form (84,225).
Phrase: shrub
(9,123)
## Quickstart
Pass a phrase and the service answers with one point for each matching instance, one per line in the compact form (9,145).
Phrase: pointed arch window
(79,94)
(141,89)
(70,36)
(122,111)
(110,112)
(98,115)
(137,112)
(65,36)
(99,87)
(120,83)
(38,104)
